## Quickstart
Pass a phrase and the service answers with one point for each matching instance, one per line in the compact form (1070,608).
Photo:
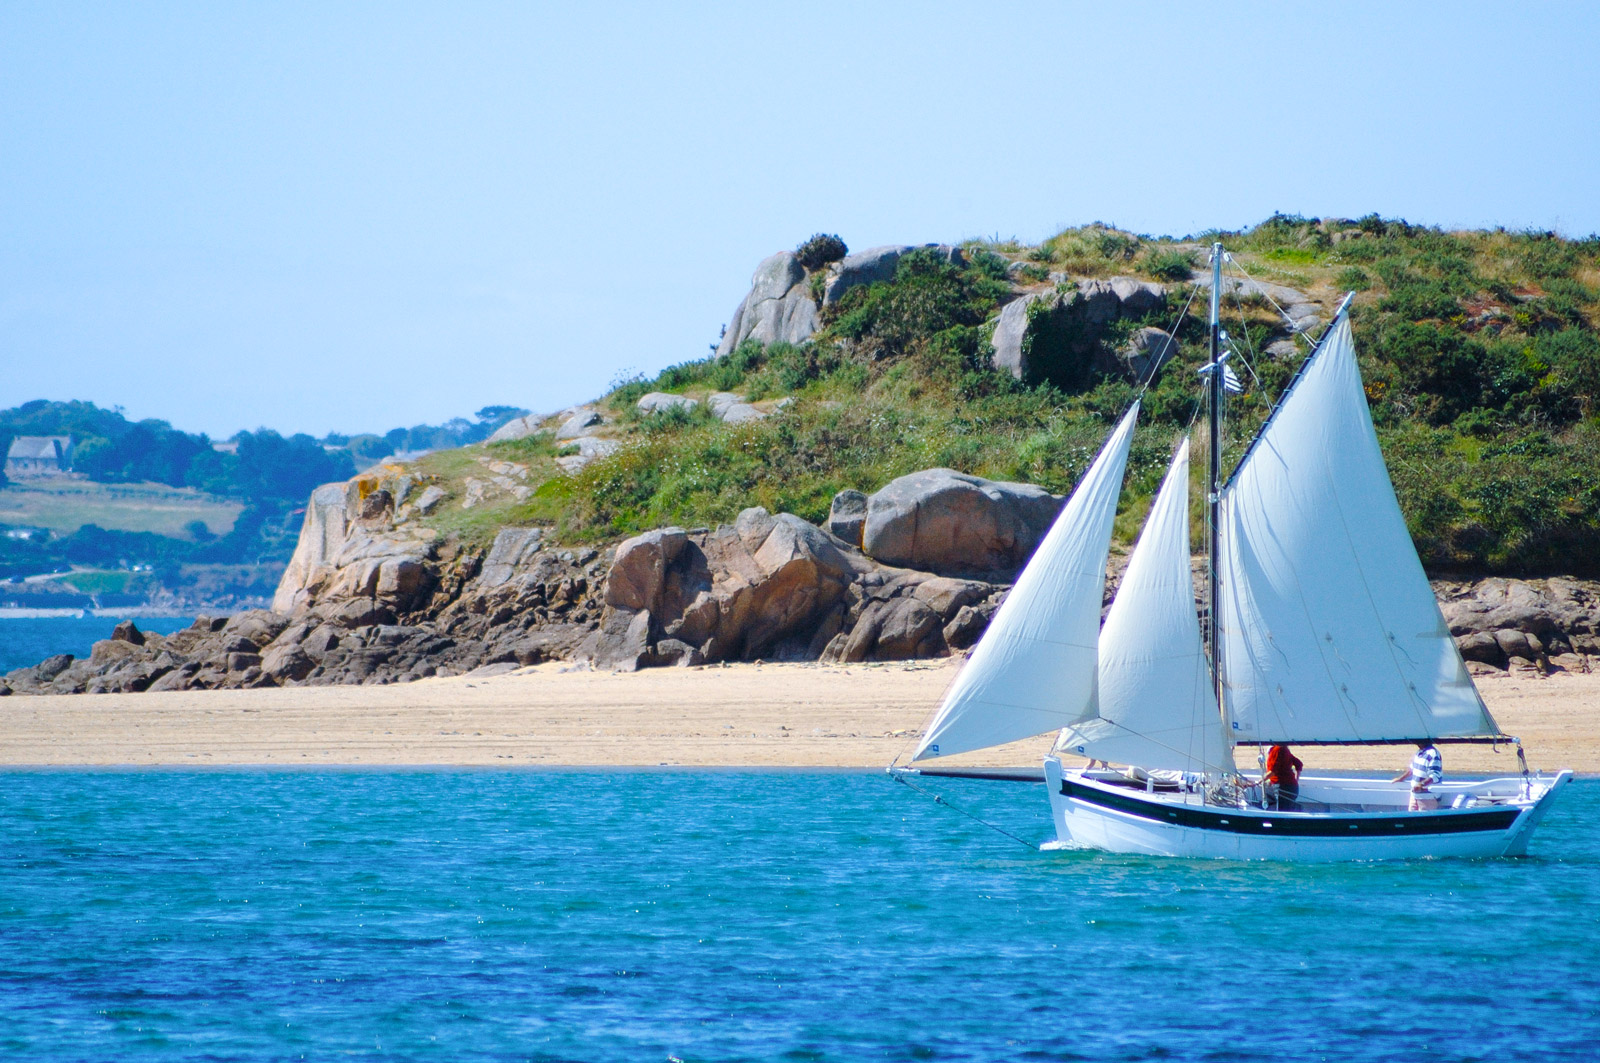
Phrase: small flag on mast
(1230,381)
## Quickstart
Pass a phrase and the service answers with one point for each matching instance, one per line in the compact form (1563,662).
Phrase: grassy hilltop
(1479,350)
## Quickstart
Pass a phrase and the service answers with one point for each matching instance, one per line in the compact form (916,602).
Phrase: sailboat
(1321,629)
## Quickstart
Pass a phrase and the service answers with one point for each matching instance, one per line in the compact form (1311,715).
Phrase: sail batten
(1034,671)
(1156,705)
(1330,629)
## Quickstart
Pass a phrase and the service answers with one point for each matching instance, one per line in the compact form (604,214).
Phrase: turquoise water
(727,916)
(27,641)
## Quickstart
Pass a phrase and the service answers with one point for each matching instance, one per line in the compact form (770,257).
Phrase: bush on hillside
(1091,250)
(1353,279)
(1168,264)
(927,296)
(820,250)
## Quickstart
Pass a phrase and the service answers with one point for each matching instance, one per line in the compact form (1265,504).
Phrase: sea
(26,641)
(739,915)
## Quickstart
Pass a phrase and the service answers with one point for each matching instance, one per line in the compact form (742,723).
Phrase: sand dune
(797,715)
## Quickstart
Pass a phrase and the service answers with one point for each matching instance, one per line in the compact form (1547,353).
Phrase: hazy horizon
(362,217)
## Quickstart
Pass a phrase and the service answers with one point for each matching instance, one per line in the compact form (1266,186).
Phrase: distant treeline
(457,432)
(271,474)
(112,449)
(266,465)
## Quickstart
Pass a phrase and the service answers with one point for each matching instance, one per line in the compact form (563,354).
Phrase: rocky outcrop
(588,449)
(1148,349)
(520,603)
(1103,301)
(581,422)
(657,401)
(1090,305)
(955,524)
(1541,623)
(517,428)
(774,587)
(777,309)
(513,549)
(875,265)
(730,593)
(1010,330)
(732,409)
(847,516)
(780,308)
(350,549)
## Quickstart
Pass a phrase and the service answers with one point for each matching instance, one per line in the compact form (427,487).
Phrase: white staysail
(1330,630)
(1157,708)
(1034,670)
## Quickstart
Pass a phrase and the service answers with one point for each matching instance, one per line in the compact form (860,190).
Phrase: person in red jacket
(1283,777)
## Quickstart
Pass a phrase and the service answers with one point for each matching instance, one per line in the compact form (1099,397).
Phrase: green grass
(94,581)
(451,469)
(64,506)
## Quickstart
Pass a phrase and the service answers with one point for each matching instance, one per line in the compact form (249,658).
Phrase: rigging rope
(1159,359)
(939,799)
(1247,359)
(1261,289)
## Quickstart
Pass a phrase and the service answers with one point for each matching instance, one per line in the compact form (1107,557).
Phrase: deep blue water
(720,916)
(25,642)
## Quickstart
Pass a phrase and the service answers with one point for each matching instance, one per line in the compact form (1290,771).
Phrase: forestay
(1330,630)
(1156,706)
(1034,670)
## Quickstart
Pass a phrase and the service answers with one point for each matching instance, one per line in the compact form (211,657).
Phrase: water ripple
(717,915)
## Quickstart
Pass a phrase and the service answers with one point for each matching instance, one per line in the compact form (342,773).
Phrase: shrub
(1543,256)
(820,250)
(1117,246)
(1478,422)
(1353,279)
(1574,355)
(1168,264)
(670,418)
(1092,249)
(626,391)
(927,296)
(1441,373)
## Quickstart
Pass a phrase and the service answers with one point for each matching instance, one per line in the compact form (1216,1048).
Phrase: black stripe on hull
(1256,821)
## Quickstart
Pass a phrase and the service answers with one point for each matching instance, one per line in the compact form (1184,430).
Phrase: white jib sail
(1330,630)
(1034,669)
(1157,708)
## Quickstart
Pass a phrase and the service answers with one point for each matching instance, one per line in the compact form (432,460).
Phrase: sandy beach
(769,715)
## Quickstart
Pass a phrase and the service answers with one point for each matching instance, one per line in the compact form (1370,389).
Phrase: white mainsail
(1330,630)
(1034,670)
(1156,705)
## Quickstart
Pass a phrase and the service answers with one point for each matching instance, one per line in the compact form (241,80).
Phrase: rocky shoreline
(371,596)
(914,570)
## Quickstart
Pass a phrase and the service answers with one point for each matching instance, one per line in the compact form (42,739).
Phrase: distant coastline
(135,611)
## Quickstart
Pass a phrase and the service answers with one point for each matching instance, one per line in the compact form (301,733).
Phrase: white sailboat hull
(1357,819)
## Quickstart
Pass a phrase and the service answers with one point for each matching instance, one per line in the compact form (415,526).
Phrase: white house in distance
(36,456)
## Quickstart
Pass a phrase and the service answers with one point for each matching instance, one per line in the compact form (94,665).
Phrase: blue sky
(354,216)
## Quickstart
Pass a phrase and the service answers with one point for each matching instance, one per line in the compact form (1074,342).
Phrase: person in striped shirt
(1426,770)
